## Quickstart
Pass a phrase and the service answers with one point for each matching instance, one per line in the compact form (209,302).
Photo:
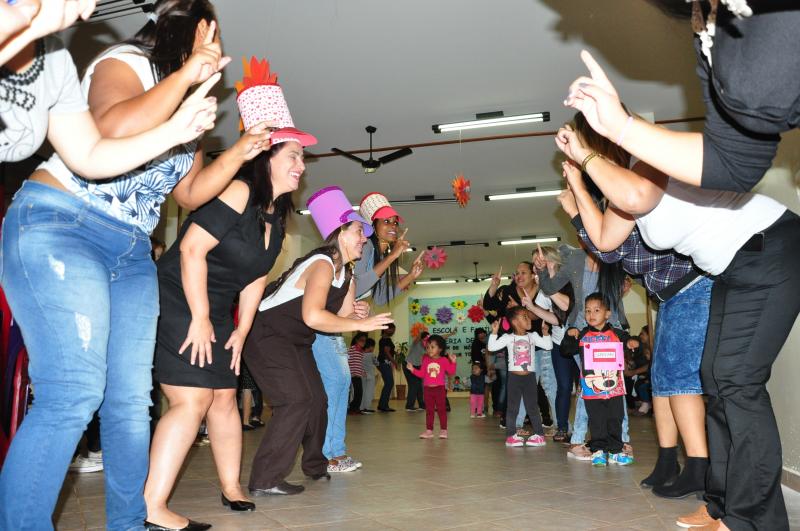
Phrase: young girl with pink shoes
(435,368)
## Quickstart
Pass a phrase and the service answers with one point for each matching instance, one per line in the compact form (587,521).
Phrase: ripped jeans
(83,288)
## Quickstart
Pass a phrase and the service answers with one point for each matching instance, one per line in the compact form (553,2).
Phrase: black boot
(691,481)
(666,469)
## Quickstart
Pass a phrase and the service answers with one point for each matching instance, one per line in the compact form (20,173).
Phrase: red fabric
(435,400)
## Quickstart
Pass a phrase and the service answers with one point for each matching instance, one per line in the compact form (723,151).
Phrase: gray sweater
(571,271)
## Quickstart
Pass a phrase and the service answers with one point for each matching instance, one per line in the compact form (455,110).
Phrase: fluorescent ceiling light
(435,281)
(530,239)
(492,122)
(459,243)
(306,212)
(523,193)
(487,279)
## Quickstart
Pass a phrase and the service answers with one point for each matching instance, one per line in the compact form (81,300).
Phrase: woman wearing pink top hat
(316,295)
(224,249)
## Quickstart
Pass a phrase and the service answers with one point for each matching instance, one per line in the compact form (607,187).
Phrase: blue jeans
(547,378)
(387,375)
(565,371)
(681,325)
(330,354)
(581,425)
(83,288)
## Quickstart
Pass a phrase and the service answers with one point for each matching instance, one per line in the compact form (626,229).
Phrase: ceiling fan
(477,278)
(371,165)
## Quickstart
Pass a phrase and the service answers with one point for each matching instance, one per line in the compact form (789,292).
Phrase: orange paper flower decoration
(435,257)
(417,329)
(255,73)
(461,189)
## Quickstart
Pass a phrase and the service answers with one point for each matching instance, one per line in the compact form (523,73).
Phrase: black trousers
(414,390)
(387,374)
(289,378)
(605,423)
(358,392)
(522,387)
(754,304)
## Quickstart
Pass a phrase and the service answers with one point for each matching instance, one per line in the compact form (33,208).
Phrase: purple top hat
(331,209)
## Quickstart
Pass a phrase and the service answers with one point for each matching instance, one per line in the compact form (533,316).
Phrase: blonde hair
(551,254)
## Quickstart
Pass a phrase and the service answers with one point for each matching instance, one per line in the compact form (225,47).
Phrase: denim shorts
(680,338)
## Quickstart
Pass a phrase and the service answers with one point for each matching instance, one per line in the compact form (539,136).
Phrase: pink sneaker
(515,441)
(443,434)
(536,440)
(427,434)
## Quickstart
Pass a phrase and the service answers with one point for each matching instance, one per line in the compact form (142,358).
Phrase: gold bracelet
(587,160)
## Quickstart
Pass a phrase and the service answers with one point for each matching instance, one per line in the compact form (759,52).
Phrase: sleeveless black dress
(238,259)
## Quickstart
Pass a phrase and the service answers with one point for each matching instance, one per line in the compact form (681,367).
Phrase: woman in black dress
(225,248)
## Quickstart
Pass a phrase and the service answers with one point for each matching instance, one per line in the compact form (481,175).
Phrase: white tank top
(709,226)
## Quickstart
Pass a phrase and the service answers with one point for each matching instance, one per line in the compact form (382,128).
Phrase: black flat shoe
(238,505)
(281,489)
(256,423)
(319,476)
(247,427)
(191,526)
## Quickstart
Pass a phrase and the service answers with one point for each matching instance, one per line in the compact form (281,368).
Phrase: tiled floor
(471,481)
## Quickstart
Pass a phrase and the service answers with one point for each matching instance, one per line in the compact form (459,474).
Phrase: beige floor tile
(471,481)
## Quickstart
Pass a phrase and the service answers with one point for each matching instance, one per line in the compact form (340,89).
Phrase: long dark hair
(329,248)
(168,42)
(392,273)
(259,173)
(358,336)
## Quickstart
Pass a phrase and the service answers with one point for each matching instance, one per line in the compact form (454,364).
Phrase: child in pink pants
(434,371)
(477,387)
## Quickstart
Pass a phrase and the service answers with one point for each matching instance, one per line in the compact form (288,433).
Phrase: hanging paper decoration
(435,257)
(461,189)
(475,313)
(417,329)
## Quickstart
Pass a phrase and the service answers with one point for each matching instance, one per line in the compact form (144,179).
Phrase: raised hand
(496,326)
(197,113)
(497,278)
(568,203)
(56,15)
(527,302)
(538,258)
(207,59)
(568,141)
(254,140)
(200,336)
(451,357)
(17,17)
(597,99)
(400,246)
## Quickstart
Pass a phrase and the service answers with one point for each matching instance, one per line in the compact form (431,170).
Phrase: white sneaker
(349,459)
(93,462)
(342,465)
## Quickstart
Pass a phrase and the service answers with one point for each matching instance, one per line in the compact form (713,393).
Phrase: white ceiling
(405,65)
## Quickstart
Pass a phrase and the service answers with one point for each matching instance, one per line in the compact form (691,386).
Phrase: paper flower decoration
(461,189)
(435,257)
(417,329)
(429,320)
(444,315)
(424,309)
(475,314)
(414,307)
(458,304)
(460,318)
